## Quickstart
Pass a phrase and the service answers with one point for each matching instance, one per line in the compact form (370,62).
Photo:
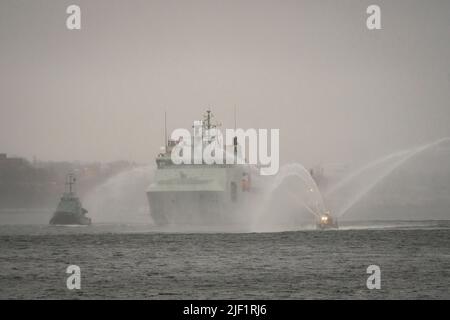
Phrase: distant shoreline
(26,210)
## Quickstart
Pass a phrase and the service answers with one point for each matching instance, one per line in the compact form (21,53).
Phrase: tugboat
(70,210)
(326,221)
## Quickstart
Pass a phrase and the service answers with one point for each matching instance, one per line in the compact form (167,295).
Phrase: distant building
(25,184)
(11,162)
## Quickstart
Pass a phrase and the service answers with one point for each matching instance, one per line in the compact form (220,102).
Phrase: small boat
(70,210)
(326,221)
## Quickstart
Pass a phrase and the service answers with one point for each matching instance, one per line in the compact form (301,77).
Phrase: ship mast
(208,124)
(208,119)
(70,181)
(235,118)
(165,130)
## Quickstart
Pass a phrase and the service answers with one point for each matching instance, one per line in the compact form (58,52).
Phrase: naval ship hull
(194,208)
(199,196)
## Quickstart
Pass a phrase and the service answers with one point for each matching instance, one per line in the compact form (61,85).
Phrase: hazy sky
(337,91)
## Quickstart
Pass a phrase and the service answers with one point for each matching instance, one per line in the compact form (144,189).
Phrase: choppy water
(136,261)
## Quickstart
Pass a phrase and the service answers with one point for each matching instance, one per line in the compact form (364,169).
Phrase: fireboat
(326,221)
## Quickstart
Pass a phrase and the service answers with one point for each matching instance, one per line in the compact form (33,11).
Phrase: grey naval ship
(70,210)
(200,194)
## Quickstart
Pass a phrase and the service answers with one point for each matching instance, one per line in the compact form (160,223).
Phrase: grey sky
(337,91)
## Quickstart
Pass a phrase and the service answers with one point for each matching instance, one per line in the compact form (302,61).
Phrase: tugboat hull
(321,226)
(69,218)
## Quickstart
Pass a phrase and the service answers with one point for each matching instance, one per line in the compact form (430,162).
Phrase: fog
(337,91)
(342,96)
